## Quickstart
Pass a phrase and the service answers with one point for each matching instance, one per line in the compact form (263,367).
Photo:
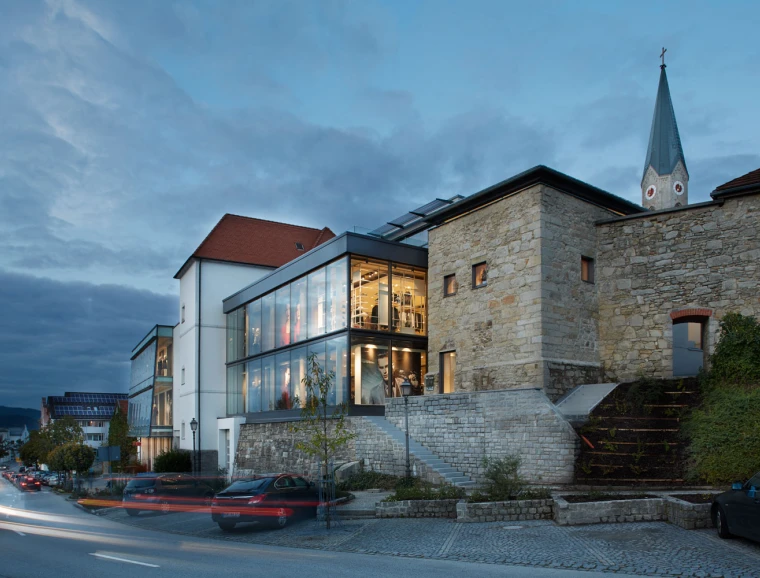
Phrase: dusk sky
(128,128)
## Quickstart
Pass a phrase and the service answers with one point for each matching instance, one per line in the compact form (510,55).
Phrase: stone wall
(569,308)
(653,265)
(495,329)
(567,514)
(417,509)
(512,511)
(687,515)
(463,428)
(271,447)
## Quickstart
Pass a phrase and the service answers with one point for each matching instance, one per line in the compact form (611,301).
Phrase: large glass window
(138,414)
(337,362)
(370,371)
(164,357)
(370,303)
(317,299)
(408,363)
(409,300)
(267,322)
(337,295)
(143,367)
(254,386)
(162,404)
(236,347)
(236,379)
(283,391)
(298,309)
(298,373)
(268,385)
(254,327)
(282,335)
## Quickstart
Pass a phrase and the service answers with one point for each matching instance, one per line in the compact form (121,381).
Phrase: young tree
(35,451)
(63,431)
(118,435)
(324,429)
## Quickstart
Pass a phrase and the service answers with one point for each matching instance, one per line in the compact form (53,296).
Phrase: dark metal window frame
(474,269)
(446,293)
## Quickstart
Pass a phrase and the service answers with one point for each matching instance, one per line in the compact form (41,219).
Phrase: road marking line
(19,533)
(124,560)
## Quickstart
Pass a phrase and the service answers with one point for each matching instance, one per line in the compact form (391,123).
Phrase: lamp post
(194,426)
(406,390)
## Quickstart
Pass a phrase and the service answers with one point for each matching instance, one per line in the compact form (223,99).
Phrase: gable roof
(665,148)
(744,184)
(237,239)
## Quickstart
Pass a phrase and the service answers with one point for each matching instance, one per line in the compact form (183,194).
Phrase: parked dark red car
(272,499)
(737,512)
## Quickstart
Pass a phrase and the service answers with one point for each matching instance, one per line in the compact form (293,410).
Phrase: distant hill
(18,416)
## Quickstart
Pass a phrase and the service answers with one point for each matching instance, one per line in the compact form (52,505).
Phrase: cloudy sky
(127,129)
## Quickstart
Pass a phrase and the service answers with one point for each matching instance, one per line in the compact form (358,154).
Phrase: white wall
(220,280)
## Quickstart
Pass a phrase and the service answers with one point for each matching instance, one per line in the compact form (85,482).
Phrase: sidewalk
(645,548)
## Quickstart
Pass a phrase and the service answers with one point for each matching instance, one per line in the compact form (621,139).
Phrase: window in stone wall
(479,275)
(587,269)
(449,285)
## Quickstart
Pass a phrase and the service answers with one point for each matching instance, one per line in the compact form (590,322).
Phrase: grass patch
(417,489)
(369,481)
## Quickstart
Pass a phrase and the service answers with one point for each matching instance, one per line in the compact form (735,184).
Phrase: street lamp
(194,426)
(406,390)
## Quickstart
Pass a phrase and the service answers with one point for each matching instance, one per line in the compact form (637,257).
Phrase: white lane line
(19,533)
(124,560)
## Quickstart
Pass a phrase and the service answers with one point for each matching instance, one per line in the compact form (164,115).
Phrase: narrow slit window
(449,285)
(587,269)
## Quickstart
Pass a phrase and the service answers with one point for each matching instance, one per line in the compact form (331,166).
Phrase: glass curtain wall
(236,379)
(253,311)
(370,301)
(380,366)
(162,405)
(298,309)
(282,316)
(236,326)
(253,386)
(317,299)
(409,299)
(164,357)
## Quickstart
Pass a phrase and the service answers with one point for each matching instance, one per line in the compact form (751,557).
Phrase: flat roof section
(347,243)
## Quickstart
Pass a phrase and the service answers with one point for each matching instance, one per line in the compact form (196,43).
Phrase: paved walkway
(647,548)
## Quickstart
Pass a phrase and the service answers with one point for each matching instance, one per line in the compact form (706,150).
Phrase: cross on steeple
(664,50)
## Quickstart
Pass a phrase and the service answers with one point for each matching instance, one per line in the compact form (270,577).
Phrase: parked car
(737,512)
(272,499)
(29,483)
(165,492)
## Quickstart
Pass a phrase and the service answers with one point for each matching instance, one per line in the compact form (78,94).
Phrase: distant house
(93,412)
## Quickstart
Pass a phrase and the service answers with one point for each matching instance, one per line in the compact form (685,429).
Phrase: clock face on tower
(678,188)
(651,192)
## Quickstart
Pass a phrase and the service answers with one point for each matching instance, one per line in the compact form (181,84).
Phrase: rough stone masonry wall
(569,308)
(271,447)
(493,328)
(647,267)
(463,428)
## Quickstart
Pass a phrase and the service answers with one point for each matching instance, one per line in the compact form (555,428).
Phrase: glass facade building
(150,389)
(356,303)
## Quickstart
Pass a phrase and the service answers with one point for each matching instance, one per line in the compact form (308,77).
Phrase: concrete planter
(687,515)
(511,511)
(646,510)
(417,509)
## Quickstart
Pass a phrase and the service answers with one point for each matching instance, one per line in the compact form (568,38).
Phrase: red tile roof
(251,241)
(751,178)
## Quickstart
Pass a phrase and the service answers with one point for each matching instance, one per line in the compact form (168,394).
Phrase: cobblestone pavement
(646,548)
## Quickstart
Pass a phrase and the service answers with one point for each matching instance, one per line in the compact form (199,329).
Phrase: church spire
(664,183)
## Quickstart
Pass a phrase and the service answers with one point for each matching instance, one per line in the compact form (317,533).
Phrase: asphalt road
(41,534)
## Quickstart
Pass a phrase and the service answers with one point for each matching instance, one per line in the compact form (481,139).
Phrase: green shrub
(368,481)
(173,461)
(527,494)
(502,479)
(725,436)
(421,490)
(737,355)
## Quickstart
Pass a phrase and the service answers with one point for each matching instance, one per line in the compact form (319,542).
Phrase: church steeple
(665,182)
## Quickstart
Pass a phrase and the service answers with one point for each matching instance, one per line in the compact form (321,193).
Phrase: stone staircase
(633,437)
(421,454)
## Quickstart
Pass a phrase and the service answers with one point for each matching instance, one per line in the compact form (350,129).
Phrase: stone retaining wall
(417,509)
(505,511)
(648,510)
(463,428)
(687,515)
